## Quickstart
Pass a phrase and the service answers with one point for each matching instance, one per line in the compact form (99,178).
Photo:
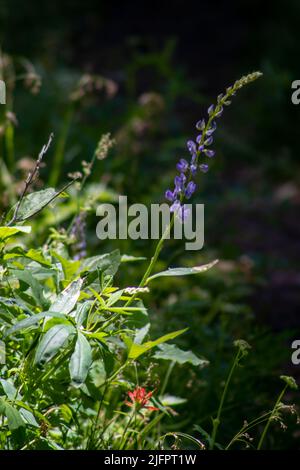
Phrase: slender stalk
(123,438)
(217,420)
(262,438)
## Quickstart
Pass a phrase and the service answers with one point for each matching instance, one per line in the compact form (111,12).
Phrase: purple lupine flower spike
(184,186)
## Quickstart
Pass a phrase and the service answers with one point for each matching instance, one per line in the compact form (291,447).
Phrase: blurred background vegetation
(146,72)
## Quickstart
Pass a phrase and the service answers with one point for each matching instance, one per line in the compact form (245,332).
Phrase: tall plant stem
(217,420)
(262,438)
(154,258)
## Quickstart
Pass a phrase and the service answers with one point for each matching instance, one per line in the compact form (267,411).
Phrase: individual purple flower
(203,167)
(193,168)
(209,141)
(191,146)
(169,195)
(179,182)
(209,153)
(182,165)
(198,138)
(190,189)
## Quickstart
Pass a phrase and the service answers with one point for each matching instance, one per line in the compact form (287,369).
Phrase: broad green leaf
(171,352)
(14,419)
(82,311)
(10,390)
(28,417)
(30,321)
(183,271)
(137,350)
(113,298)
(81,360)
(67,299)
(34,255)
(141,334)
(6,232)
(52,341)
(70,267)
(36,288)
(107,263)
(35,202)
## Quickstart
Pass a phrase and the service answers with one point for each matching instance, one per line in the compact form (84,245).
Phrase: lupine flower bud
(203,167)
(210,109)
(200,125)
(182,165)
(209,153)
(190,189)
(191,146)
(169,195)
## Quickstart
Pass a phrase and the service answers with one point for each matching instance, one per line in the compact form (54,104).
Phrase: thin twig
(31,177)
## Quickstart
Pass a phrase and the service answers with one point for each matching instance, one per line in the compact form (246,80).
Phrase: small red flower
(140,399)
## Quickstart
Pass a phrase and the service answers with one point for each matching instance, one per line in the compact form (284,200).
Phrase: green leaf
(28,417)
(131,259)
(137,350)
(81,360)
(14,419)
(30,321)
(171,400)
(36,288)
(108,263)
(82,311)
(183,271)
(6,232)
(67,299)
(70,267)
(34,255)
(171,352)
(9,389)
(35,202)
(51,342)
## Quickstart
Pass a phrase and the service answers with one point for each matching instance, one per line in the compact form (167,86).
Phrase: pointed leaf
(183,271)
(67,299)
(52,341)
(6,232)
(81,360)
(171,352)
(137,350)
